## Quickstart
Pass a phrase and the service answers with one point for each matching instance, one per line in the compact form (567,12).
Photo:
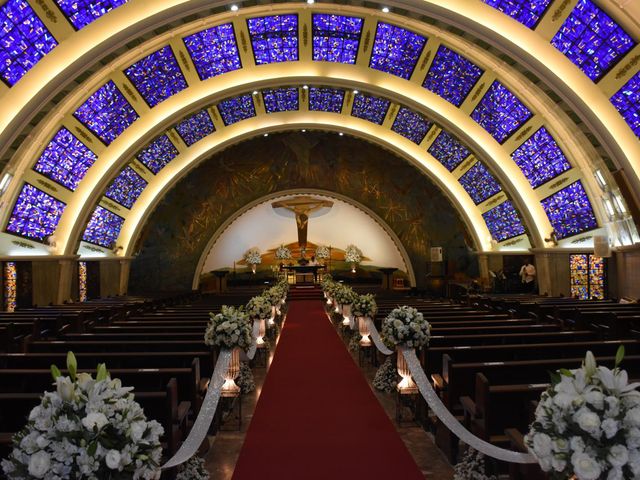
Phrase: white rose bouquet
(322,252)
(352,254)
(365,306)
(274,295)
(252,256)
(406,326)
(258,307)
(588,424)
(88,428)
(283,253)
(345,295)
(230,328)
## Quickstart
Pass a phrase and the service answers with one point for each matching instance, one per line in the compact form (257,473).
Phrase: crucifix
(302,207)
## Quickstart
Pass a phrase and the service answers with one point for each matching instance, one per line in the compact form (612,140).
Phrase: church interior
(352,239)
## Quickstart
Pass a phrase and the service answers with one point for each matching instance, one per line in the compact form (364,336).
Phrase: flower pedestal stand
(262,350)
(407,391)
(231,393)
(365,351)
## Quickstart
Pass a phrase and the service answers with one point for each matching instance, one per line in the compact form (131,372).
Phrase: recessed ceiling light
(255,92)
(234,8)
(385,9)
(266,135)
(304,130)
(341,134)
(355,92)
(306,87)
(311,2)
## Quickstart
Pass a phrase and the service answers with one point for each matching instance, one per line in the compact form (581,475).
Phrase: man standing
(528,276)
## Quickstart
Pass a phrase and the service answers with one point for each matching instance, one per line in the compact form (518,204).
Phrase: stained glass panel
(451,76)
(10,286)
(106,113)
(503,222)
(126,187)
(157,76)
(527,12)
(214,51)
(411,125)
(158,153)
(336,37)
(569,211)
(627,102)
(195,127)
(540,158)
(479,183)
(396,50)
(448,151)
(36,214)
(82,281)
(274,39)
(236,109)
(280,100)
(579,268)
(500,112)
(65,159)
(592,40)
(82,12)
(326,99)
(370,108)
(103,228)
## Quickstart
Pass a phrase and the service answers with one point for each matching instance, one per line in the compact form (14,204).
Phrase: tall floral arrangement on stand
(87,428)
(364,307)
(252,258)
(283,253)
(323,252)
(353,255)
(587,424)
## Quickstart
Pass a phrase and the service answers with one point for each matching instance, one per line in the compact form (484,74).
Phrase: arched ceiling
(409,120)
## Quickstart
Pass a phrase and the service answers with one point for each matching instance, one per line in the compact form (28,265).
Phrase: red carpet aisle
(317,417)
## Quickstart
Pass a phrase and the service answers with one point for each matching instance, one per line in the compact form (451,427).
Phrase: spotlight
(234,8)
(305,87)
(311,2)
(355,92)
(385,9)
(255,92)
(266,135)
(304,130)
(341,134)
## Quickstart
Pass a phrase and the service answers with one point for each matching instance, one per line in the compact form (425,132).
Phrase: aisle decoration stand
(364,307)
(345,297)
(353,256)
(253,258)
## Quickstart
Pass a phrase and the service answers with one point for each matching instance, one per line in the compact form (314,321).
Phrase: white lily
(616,380)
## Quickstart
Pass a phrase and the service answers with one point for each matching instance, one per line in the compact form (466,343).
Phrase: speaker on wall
(436,254)
(601,246)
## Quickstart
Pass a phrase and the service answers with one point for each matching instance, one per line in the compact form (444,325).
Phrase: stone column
(65,279)
(125,268)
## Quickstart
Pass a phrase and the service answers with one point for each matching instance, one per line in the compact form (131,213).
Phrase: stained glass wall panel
(448,151)
(336,37)
(158,154)
(451,76)
(126,187)
(35,214)
(570,211)
(214,51)
(396,50)
(274,39)
(103,228)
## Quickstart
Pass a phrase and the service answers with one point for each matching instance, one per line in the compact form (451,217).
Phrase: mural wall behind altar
(181,226)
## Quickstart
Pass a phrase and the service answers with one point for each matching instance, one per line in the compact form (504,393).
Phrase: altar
(303,273)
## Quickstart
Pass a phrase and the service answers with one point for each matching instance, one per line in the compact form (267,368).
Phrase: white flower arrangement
(331,288)
(587,424)
(345,295)
(283,253)
(274,295)
(471,467)
(245,378)
(322,252)
(87,428)
(230,328)
(386,378)
(252,256)
(406,326)
(352,254)
(258,307)
(365,306)
(193,469)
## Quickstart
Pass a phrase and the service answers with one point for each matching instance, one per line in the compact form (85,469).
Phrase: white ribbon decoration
(254,335)
(205,416)
(441,411)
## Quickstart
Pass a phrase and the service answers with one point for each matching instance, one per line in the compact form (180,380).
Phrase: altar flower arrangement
(345,295)
(193,469)
(322,252)
(364,306)
(406,326)
(352,254)
(283,253)
(252,256)
(230,328)
(258,307)
(587,424)
(87,428)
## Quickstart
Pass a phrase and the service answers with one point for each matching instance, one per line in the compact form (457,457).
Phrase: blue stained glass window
(214,51)
(274,38)
(448,151)
(126,187)
(196,127)
(158,153)
(592,40)
(627,101)
(106,113)
(479,183)
(396,50)
(326,99)
(569,211)
(280,100)
(232,110)
(540,158)
(370,108)
(527,12)
(503,222)
(336,38)
(500,112)
(82,12)
(157,76)
(103,228)
(65,159)
(451,76)
(411,125)
(36,214)
(24,40)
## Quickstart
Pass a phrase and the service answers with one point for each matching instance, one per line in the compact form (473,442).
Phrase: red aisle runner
(316,417)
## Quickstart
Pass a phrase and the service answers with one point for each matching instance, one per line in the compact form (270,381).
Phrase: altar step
(305,292)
